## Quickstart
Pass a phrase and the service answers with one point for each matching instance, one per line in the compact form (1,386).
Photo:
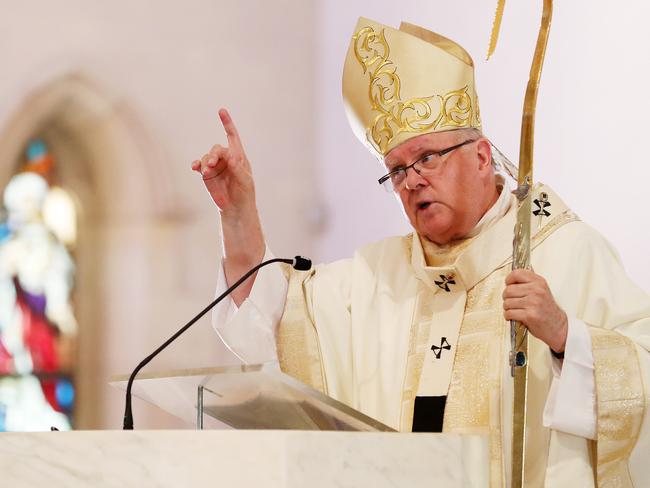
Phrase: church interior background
(108,242)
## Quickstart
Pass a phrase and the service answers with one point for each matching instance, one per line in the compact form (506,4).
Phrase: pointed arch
(118,154)
(117,173)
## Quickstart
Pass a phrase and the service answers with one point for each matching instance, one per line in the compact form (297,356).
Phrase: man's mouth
(423,205)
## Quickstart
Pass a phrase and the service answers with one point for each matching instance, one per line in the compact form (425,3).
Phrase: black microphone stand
(298,263)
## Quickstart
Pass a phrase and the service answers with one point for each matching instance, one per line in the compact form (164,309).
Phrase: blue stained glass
(5,231)
(64,394)
(36,150)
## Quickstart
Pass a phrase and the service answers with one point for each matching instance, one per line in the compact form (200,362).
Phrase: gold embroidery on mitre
(394,115)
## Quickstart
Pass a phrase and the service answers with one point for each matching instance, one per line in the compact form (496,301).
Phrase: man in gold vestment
(413,330)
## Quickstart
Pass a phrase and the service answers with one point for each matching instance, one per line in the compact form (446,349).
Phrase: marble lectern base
(266,459)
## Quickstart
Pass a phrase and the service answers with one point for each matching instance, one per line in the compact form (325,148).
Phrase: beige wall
(130,92)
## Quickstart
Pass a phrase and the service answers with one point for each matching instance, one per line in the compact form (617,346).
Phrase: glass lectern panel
(249,397)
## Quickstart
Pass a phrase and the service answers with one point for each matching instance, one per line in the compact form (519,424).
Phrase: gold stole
(474,398)
(621,404)
(297,341)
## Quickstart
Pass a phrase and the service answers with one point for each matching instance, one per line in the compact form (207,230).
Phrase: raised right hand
(227,173)
(228,178)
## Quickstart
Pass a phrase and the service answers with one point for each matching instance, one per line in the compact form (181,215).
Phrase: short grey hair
(501,164)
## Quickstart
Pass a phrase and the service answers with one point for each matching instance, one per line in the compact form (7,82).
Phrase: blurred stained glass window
(38,330)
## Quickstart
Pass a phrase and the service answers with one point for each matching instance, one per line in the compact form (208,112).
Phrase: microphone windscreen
(301,264)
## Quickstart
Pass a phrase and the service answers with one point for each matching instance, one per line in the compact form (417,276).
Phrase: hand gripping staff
(521,242)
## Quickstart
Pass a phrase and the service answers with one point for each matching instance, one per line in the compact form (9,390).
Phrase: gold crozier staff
(521,243)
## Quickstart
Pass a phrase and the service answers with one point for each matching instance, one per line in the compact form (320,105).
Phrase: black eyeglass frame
(440,153)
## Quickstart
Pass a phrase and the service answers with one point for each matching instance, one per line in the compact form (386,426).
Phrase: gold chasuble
(368,331)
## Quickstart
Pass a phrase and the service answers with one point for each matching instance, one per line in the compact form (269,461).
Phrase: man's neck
(500,205)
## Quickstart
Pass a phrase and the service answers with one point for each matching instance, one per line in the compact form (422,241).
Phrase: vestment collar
(467,261)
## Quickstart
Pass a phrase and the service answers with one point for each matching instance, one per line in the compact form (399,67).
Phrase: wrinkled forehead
(435,141)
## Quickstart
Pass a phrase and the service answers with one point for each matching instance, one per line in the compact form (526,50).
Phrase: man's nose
(414,179)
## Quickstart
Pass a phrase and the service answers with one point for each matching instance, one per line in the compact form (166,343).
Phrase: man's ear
(484,153)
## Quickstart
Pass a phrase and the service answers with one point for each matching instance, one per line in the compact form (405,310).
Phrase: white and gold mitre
(399,84)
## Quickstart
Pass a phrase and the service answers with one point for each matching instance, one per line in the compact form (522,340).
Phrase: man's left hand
(528,299)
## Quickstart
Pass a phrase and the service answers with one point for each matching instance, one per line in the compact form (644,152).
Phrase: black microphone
(299,263)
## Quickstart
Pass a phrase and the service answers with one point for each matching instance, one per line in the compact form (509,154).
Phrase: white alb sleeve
(571,402)
(249,331)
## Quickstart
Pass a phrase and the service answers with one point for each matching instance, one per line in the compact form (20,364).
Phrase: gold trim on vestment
(297,340)
(555,223)
(474,398)
(620,405)
(418,346)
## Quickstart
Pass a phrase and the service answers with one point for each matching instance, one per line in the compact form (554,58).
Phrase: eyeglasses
(426,165)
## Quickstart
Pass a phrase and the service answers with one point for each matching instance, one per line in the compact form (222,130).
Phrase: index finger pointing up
(231,131)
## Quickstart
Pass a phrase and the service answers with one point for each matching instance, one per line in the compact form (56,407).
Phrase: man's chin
(437,235)
(435,228)
(439,240)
